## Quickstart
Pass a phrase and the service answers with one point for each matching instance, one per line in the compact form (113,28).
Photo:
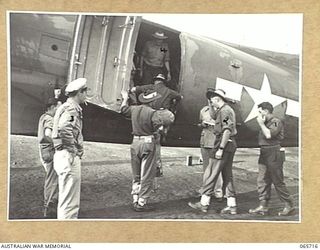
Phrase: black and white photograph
(154,117)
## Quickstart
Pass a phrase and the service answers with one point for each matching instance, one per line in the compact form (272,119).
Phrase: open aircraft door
(103,53)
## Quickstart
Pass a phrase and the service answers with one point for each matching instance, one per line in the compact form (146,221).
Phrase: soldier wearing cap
(155,58)
(221,158)
(271,161)
(207,140)
(46,151)
(145,122)
(68,142)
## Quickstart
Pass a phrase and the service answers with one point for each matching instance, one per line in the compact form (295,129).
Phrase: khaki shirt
(142,119)
(67,128)
(155,55)
(207,134)
(225,119)
(276,128)
(45,142)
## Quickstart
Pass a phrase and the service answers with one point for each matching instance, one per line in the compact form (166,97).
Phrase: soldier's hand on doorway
(124,94)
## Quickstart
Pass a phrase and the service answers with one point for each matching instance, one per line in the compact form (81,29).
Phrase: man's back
(167,95)
(141,117)
(45,121)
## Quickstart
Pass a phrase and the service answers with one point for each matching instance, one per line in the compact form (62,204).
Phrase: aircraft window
(54,47)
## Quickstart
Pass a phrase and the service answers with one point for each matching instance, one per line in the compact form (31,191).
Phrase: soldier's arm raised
(125,108)
(266,132)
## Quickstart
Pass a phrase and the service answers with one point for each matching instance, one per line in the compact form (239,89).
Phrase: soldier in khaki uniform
(207,141)
(169,99)
(271,161)
(145,123)
(46,150)
(155,58)
(221,158)
(68,142)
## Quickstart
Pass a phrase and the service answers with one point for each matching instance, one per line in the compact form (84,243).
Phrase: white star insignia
(234,91)
(262,95)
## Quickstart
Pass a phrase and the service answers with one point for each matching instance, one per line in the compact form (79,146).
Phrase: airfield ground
(106,184)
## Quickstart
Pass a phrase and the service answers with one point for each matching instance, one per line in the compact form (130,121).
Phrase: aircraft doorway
(146,30)
(108,53)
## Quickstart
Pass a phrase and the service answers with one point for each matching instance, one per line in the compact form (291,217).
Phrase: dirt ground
(106,184)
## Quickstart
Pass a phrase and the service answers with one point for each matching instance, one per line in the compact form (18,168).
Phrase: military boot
(229,210)
(288,210)
(231,207)
(143,208)
(50,212)
(262,209)
(198,206)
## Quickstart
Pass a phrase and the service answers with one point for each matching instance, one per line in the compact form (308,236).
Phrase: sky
(275,32)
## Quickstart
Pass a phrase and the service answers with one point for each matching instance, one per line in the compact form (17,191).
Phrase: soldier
(155,58)
(145,123)
(167,101)
(169,97)
(46,150)
(221,158)
(68,142)
(271,161)
(207,140)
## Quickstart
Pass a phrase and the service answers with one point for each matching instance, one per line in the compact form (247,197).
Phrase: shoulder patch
(226,120)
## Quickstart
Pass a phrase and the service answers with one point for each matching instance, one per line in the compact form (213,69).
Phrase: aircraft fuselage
(49,50)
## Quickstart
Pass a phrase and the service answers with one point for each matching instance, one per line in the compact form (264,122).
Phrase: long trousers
(149,72)
(212,171)
(143,163)
(271,172)
(50,191)
(68,169)
(205,153)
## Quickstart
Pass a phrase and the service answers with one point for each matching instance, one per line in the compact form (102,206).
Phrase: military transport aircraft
(49,50)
